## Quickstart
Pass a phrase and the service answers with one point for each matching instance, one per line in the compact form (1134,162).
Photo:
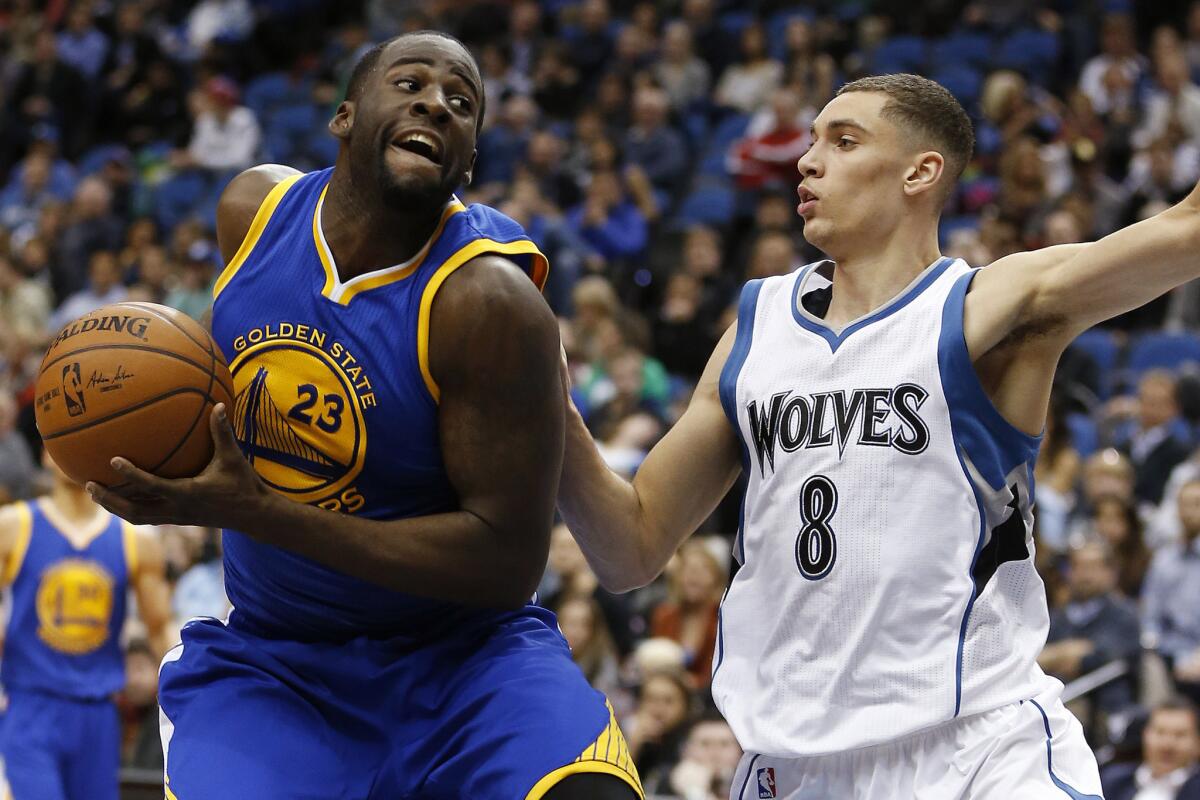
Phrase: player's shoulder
(241,199)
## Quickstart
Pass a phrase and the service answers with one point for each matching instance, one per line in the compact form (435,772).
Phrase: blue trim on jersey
(835,339)
(1069,790)
(994,446)
(749,772)
(727,387)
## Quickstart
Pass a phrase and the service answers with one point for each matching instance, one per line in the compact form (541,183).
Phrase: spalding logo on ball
(136,380)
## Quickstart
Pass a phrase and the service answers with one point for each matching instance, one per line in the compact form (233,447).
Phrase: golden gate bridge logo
(264,432)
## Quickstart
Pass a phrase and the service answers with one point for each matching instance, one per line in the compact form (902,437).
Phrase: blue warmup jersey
(60,737)
(68,607)
(335,404)
(322,685)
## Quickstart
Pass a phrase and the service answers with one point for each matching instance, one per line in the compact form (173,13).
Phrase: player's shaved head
(370,60)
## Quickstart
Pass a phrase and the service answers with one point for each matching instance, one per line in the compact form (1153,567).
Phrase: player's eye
(408,83)
(461,103)
(846,141)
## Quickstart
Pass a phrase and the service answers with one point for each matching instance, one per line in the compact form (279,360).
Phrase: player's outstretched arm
(494,354)
(629,531)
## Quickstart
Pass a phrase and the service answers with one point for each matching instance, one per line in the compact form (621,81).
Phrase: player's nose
(809,164)
(433,105)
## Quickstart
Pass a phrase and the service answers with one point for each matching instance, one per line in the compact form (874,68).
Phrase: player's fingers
(137,481)
(110,500)
(222,431)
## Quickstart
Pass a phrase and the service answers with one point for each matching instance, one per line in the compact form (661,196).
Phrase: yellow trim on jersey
(261,218)
(608,755)
(167,790)
(372,280)
(460,257)
(129,537)
(24,534)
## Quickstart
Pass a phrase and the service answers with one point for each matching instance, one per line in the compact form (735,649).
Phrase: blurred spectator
(1116,521)
(500,79)
(1163,525)
(690,614)
(1156,441)
(557,86)
(583,625)
(218,19)
(82,45)
(1174,108)
(775,139)
(25,305)
(192,294)
(713,43)
(153,108)
(774,254)
(17,468)
(50,92)
(747,85)
(1170,751)
(568,577)
(683,76)
(524,35)
(608,219)
(137,704)
(592,46)
(630,421)
(503,145)
(683,337)
(660,722)
(1056,472)
(104,287)
(706,766)
(1171,596)
(1111,78)
(654,145)
(27,192)
(225,136)
(1097,626)
(93,227)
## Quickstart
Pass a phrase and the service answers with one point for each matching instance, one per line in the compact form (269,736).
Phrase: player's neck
(866,277)
(73,503)
(364,234)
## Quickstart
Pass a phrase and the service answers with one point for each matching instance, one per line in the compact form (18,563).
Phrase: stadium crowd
(649,148)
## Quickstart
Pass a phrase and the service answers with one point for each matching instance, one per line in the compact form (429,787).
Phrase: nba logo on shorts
(766,782)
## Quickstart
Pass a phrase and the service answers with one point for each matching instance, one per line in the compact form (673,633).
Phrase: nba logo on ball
(72,388)
(766,782)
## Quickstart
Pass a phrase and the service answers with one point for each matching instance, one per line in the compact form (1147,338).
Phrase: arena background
(649,149)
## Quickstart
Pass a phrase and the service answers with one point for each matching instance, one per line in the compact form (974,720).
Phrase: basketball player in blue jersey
(387,484)
(69,565)
(879,638)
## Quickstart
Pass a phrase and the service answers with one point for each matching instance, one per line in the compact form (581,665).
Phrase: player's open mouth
(422,144)
(807,200)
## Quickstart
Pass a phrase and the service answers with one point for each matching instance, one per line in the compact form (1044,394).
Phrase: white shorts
(1032,750)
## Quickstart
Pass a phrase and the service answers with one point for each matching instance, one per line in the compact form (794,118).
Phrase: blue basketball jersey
(335,404)
(68,608)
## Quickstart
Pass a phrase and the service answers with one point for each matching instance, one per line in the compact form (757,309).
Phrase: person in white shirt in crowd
(225,136)
(1170,750)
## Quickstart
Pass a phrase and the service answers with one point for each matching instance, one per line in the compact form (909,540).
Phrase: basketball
(136,380)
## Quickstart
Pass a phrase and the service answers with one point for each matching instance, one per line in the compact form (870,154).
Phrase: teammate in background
(70,565)
(393,361)
(880,637)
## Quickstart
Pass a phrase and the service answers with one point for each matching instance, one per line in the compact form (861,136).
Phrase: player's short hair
(927,111)
(370,59)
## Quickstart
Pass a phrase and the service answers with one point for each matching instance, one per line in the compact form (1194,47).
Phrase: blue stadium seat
(94,160)
(1162,350)
(1085,436)
(1033,53)
(900,54)
(274,90)
(727,131)
(177,198)
(964,83)
(712,203)
(777,29)
(961,49)
(1102,346)
(734,22)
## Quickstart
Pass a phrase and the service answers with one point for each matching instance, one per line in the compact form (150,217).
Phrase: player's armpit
(629,531)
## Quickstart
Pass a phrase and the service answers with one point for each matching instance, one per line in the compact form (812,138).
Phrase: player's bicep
(692,468)
(494,353)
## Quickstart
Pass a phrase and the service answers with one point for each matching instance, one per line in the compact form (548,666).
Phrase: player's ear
(470,169)
(923,173)
(343,120)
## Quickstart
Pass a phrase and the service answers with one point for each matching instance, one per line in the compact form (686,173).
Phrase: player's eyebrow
(840,123)
(455,69)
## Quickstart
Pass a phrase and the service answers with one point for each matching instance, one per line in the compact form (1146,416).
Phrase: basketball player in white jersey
(879,639)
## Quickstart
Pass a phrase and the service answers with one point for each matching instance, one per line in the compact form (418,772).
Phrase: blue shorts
(499,712)
(57,748)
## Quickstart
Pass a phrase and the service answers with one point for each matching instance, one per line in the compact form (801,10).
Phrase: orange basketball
(136,380)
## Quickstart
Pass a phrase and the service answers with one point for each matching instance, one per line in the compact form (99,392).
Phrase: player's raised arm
(494,354)
(1056,299)
(628,531)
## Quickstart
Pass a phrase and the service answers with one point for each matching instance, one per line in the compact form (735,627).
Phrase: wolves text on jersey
(876,418)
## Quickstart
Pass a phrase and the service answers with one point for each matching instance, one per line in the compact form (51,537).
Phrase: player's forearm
(604,513)
(456,556)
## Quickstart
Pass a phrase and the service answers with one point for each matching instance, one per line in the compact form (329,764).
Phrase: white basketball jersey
(886,579)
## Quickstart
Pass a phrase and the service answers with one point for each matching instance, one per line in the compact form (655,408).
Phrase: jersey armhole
(129,539)
(257,226)
(24,534)
(457,259)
